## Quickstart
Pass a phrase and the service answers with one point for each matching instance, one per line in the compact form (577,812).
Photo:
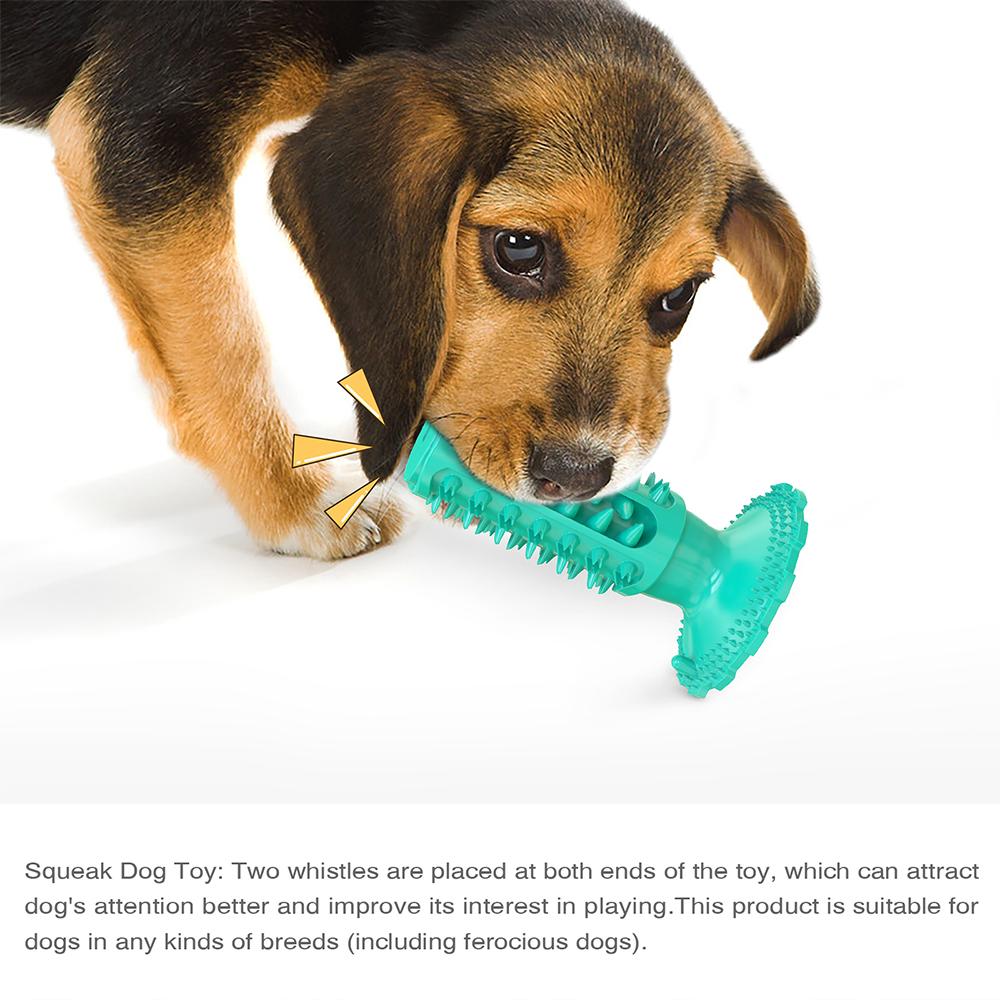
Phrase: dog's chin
(523,489)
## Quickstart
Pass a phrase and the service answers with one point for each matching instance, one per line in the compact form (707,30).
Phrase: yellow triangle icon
(357,385)
(306,450)
(343,510)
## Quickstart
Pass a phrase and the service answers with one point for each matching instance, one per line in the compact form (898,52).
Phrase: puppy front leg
(224,412)
(190,318)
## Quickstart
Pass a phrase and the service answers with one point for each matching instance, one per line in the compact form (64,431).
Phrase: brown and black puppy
(506,208)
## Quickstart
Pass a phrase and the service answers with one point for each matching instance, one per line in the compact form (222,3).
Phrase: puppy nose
(566,472)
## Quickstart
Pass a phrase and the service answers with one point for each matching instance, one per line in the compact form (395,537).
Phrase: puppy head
(510,245)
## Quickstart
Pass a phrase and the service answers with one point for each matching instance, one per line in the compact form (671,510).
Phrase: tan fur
(690,249)
(294,89)
(494,402)
(773,256)
(432,135)
(192,323)
(489,400)
(582,211)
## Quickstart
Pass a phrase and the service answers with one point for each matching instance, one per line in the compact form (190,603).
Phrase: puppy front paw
(377,523)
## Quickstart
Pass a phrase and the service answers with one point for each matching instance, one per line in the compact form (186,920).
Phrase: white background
(150,653)
(759,958)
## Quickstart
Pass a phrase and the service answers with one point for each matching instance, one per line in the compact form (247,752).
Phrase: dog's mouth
(546,466)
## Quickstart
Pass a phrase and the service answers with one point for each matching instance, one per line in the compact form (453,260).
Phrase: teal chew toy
(643,540)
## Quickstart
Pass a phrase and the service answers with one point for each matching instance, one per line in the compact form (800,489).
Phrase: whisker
(466,427)
(447,416)
(472,453)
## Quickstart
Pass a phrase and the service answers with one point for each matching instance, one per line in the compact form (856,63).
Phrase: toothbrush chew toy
(643,540)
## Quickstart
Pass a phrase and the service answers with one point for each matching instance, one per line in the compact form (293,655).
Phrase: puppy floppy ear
(371,191)
(762,239)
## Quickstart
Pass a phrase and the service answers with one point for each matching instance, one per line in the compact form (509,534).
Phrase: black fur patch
(370,226)
(42,47)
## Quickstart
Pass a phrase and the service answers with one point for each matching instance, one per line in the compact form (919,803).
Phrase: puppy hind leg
(191,320)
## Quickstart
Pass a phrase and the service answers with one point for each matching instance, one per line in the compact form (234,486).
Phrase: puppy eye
(679,297)
(519,252)
(668,312)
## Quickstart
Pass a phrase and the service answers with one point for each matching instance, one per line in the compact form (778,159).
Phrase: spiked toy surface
(643,540)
